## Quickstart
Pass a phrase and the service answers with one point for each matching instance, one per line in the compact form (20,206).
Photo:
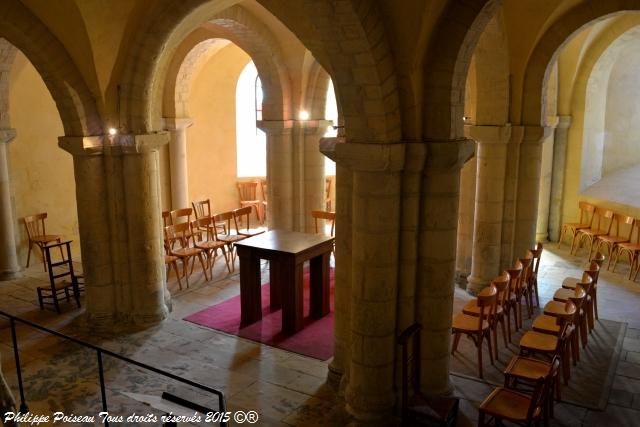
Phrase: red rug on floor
(314,340)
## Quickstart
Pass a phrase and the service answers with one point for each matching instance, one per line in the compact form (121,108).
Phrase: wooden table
(286,251)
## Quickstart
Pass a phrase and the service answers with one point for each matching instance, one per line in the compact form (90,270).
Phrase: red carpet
(314,340)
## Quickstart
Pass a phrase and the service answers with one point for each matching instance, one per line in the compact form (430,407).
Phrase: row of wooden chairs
(187,240)
(555,336)
(603,229)
(496,304)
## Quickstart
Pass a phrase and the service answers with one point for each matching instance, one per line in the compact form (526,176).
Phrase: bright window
(251,141)
(330,113)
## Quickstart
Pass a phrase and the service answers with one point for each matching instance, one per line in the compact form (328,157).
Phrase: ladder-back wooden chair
(619,232)
(62,277)
(248,192)
(37,234)
(179,234)
(242,223)
(202,209)
(228,237)
(208,241)
(630,248)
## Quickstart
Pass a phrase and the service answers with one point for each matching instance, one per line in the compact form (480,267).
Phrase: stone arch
(241,28)
(548,47)
(76,104)
(447,61)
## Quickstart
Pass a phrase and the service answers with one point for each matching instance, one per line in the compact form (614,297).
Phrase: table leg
(319,286)
(250,292)
(275,285)
(292,291)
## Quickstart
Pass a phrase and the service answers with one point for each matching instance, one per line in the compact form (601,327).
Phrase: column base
(542,237)
(10,275)
(476,284)
(334,377)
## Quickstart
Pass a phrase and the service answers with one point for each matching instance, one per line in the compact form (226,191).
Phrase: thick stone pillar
(178,161)
(119,216)
(546,169)
(9,267)
(437,257)
(487,230)
(528,189)
(312,177)
(557,176)
(466,214)
(279,172)
(376,168)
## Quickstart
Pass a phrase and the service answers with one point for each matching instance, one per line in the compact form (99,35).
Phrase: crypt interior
(461,169)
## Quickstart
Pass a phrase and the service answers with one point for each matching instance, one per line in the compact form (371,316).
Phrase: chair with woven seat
(183,216)
(59,270)
(248,192)
(208,241)
(512,405)
(630,248)
(601,222)
(202,209)
(228,237)
(501,283)
(180,234)
(37,234)
(586,216)
(620,232)
(478,327)
(418,407)
(242,223)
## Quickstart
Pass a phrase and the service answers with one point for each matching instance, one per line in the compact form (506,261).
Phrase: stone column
(557,176)
(529,165)
(546,169)
(178,161)
(279,172)
(119,216)
(491,166)
(313,171)
(376,170)
(9,268)
(437,257)
(466,214)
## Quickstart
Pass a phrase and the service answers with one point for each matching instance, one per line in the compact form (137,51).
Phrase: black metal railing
(222,407)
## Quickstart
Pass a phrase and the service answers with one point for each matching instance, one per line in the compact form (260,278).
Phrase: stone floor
(282,387)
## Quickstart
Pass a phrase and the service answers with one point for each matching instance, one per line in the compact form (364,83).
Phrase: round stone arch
(549,45)
(446,65)
(76,105)
(239,27)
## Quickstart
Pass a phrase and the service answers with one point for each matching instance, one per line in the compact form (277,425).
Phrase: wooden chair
(477,327)
(208,241)
(514,406)
(501,283)
(527,371)
(522,291)
(202,209)
(594,272)
(586,217)
(548,324)
(580,297)
(545,344)
(242,223)
(536,253)
(328,183)
(630,248)
(179,233)
(326,216)
(600,226)
(511,303)
(37,234)
(265,202)
(248,197)
(227,237)
(59,270)
(182,216)
(419,408)
(166,218)
(616,235)
(171,261)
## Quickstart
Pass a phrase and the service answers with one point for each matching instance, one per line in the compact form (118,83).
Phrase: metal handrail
(99,352)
